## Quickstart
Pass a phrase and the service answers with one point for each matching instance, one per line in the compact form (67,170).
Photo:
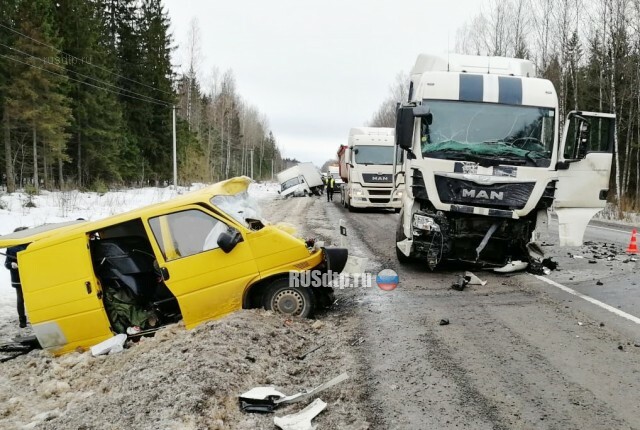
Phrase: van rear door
(583,170)
(62,296)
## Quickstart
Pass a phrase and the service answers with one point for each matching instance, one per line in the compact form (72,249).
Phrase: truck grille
(380,192)
(384,178)
(379,200)
(506,195)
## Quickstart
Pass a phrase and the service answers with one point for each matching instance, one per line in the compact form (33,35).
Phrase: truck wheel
(402,259)
(292,301)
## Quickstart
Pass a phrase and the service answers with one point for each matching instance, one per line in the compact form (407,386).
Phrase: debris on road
(444,321)
(513,266)
(474,280)
(460,283)
(358,341)
(303,356)
(266,399)
(301,420)
(599,283)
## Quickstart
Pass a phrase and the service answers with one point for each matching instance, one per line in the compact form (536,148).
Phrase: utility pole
(175,160)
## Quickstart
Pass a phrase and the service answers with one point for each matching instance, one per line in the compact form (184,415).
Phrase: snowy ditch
(179,379)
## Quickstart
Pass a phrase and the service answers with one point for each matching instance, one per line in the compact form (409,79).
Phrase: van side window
(185,233)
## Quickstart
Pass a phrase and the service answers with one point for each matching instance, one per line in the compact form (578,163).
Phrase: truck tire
(282,298)
(402,259)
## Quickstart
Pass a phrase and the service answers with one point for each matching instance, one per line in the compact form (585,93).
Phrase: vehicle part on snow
(301,420)
(304,355)
(266,399)
(444,321)
(18,346)
(114,344)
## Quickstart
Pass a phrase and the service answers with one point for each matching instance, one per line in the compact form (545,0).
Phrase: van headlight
(424,222)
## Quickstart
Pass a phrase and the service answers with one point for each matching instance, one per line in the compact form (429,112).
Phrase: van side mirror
(404,127)
(228,240)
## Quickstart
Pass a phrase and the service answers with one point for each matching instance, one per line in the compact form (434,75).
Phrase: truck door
(206,281)
(584,169)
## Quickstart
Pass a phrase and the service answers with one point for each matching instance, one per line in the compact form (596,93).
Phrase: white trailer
(366,167)
(300,180)
(484,160)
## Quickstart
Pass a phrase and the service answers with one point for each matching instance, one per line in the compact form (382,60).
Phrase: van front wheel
(288,300)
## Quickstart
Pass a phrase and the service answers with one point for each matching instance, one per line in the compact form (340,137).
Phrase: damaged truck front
(483,162)
(194,258)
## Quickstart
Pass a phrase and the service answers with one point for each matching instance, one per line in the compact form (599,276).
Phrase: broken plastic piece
(301,396)
(266,399)
(114,343)
(260,399)
(514,266)
(474,280)
(301,420)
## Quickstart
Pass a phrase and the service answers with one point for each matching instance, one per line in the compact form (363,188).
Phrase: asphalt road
(520,352)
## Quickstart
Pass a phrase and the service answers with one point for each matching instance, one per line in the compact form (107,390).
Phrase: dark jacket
(12,253)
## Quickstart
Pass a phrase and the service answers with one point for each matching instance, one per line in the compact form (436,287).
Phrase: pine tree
(36,93)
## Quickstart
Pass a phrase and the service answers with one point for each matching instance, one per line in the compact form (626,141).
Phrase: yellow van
(194,258)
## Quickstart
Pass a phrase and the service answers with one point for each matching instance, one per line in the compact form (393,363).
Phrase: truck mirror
(404,127)
(423,111)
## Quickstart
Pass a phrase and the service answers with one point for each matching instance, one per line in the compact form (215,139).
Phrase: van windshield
(488,133)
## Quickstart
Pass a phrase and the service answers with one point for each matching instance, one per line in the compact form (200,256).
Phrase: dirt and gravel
(516,353)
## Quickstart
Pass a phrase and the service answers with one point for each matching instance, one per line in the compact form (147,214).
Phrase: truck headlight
(424,222)
(358,192)
(398,195)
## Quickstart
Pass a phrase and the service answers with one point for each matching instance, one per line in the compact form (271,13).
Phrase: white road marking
(590,300)
(554,220)
(610,229)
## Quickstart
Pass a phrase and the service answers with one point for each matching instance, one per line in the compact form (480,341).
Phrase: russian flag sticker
(387,280)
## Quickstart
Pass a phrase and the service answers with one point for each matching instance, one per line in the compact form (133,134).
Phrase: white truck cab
(366,167)
(483,161)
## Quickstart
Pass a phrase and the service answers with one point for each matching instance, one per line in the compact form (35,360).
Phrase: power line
(80,74)
(85,83)
(83,60)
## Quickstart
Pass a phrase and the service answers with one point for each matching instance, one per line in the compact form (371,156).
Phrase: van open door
(584,169)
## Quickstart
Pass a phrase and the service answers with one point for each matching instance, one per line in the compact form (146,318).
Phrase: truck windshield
(488,133)
(373,154)
(290,183)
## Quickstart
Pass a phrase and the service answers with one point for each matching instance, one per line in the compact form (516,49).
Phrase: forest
(87,93)
(589,49)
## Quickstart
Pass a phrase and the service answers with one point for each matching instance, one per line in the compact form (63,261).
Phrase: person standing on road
(11,263)
(330,184)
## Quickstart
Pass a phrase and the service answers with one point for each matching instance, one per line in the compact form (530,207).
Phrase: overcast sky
(316,69)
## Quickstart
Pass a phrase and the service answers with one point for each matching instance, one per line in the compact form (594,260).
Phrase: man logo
(482,194)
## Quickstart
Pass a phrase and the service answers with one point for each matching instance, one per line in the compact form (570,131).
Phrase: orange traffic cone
(633,246)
